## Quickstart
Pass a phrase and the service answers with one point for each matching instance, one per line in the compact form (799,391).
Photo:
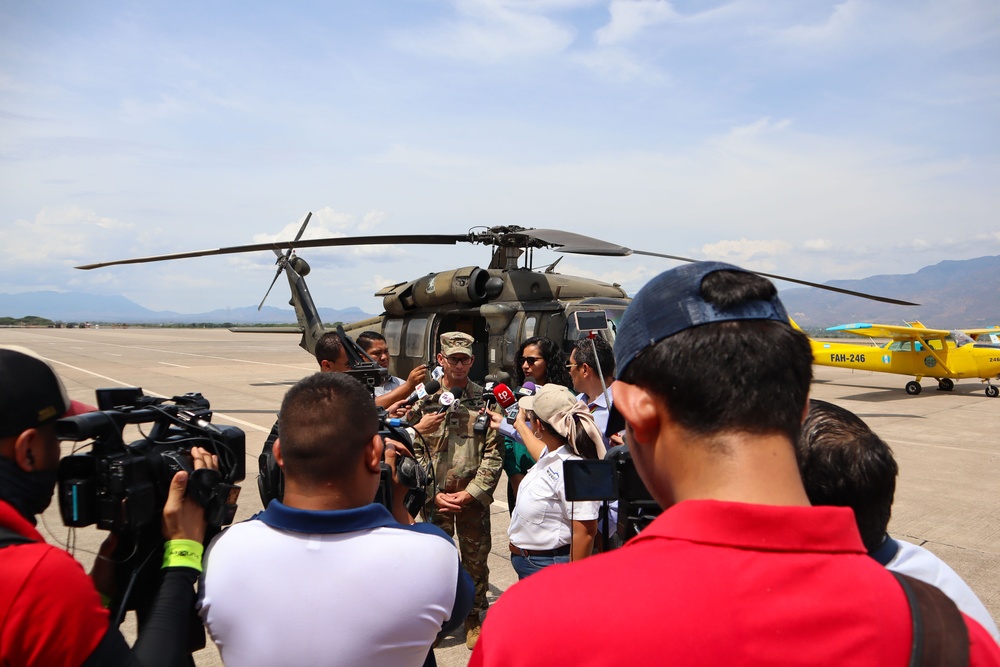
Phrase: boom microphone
(424,390)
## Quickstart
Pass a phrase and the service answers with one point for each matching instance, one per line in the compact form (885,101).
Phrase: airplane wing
(975,333)
(893,331)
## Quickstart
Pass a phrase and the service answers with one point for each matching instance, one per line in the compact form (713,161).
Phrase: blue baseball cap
(672,302)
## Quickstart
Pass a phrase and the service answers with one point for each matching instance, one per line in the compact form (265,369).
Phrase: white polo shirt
(542,517)
(349,587)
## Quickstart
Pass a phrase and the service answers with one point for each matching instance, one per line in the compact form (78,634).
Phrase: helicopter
(500,306)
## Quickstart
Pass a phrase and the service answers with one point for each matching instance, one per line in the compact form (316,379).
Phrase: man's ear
(24,446)
(276,450)
(373,454)
(324,366)
(639,409)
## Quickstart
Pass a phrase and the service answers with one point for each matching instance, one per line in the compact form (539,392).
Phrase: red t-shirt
(50,612)
(715,583)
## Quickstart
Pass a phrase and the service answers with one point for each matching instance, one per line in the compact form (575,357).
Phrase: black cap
(672,302)
(31,393)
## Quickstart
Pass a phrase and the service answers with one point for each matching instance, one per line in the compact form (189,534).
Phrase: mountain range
(81,307)
(952,294)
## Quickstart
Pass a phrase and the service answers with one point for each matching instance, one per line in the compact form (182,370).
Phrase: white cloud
(817,244)
(843,18)
(751,253)
(630,17)
(490,31)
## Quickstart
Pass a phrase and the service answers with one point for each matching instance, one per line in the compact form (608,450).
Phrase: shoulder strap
(940,637)
(9,538)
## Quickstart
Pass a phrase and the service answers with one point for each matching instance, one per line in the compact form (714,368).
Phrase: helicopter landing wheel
(945,384)
(992,391)
(913,388)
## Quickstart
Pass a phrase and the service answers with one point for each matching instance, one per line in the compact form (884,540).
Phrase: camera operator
(739,569)
(316,577)
(393,389)
(332,358)
(52,613)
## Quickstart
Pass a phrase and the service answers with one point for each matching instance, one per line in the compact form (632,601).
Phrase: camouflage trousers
(474,543)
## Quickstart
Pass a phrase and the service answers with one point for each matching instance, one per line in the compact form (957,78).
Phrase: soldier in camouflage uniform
(466,467)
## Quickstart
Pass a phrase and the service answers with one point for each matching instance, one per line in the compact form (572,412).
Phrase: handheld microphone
(483,420)
(423,391)
(437,373)
(503,395)
(527,389)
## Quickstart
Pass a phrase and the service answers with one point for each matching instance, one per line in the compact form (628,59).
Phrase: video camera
(123,487)
(613,479)
(409,472)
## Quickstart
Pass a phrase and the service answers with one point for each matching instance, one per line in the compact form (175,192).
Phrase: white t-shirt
(542,517)
(921,564)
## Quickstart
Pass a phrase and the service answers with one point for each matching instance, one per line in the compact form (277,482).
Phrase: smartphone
(590,320)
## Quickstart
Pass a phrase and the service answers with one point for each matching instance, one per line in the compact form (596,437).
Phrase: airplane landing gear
(945,384)
(913,388)
(992,391)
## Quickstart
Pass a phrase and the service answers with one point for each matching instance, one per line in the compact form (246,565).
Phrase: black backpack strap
(9,538)
(940,638)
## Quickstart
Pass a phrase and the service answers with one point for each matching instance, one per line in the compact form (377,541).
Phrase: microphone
(504,396)
(527,389)
(424,390)
(450,398)
(483,420)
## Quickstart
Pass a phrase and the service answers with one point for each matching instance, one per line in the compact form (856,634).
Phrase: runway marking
(175,352)
(174,365)
(234,420)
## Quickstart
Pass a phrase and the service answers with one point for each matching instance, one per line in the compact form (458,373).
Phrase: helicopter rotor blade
(302,229)
(281,267)
(577,243)
(401,239)
(829,288)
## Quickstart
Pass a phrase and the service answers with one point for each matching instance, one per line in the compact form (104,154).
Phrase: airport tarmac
(946,443)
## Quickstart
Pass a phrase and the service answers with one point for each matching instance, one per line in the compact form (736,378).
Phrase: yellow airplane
(918,351)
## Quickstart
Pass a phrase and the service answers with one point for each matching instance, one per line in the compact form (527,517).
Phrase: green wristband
(183,553)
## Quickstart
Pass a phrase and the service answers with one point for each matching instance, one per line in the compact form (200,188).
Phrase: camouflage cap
(456,342)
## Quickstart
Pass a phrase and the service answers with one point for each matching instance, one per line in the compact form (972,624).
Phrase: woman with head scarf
(545,528)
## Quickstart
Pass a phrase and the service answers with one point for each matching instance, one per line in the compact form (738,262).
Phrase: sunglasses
(531,361)
(459,361)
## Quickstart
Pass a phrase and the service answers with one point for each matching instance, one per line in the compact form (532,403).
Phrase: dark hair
(844,463)
(367,338)
(555,361)
(326,421)
(605,354)
(744,375)
(329,347)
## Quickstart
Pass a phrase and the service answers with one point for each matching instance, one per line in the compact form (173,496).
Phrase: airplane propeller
(507,236)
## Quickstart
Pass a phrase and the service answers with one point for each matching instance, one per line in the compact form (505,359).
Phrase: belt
(558,551)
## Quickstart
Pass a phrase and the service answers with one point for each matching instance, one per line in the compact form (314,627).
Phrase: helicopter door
(475,326)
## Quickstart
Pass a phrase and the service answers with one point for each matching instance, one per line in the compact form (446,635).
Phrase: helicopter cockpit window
(393,333)
(530,324)
(416,334)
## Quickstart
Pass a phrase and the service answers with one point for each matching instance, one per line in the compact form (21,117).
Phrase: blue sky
(820,139)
